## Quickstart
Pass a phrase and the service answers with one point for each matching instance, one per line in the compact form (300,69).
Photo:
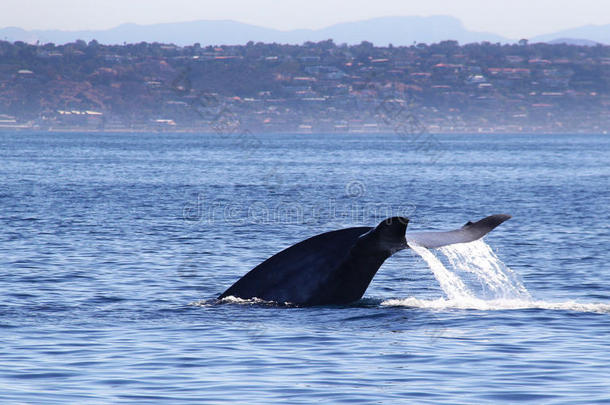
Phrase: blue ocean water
(114,246)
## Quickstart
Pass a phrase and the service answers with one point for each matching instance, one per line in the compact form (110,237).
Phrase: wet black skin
(337,267)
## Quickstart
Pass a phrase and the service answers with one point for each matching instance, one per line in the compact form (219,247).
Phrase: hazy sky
(513,19)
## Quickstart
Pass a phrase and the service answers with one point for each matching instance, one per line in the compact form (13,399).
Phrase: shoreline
(291,132)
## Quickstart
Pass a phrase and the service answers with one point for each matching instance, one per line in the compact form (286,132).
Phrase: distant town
(314,87)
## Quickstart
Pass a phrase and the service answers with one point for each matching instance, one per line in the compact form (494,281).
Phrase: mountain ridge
(381,31)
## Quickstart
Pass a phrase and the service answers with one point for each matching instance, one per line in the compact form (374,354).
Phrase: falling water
(475,278)
(497,281)
(489,277)
(450,283)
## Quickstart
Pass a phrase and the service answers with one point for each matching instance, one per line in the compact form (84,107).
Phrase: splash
(451,284)
(475,278)
(496,280)
(233,300)
(476,273)
(497,305)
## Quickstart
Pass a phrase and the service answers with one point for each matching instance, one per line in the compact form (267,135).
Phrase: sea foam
(473,277)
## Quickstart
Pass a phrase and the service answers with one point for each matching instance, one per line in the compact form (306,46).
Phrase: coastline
(289,131)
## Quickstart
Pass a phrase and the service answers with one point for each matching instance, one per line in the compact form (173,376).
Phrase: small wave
(233,300)
(204,303)
(497,305)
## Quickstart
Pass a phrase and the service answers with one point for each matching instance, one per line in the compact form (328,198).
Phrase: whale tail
(336,267)
(468,233)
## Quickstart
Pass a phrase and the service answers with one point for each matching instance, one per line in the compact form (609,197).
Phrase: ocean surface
(113,248)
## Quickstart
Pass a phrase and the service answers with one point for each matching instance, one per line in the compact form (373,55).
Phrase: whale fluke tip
(493,220)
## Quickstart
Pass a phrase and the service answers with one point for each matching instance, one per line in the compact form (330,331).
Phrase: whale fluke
(468,233)
(337,267)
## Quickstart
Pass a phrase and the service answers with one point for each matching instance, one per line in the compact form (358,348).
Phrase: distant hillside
(379,31)
(573,41)
(593,33)
(319,86)
(404,31)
